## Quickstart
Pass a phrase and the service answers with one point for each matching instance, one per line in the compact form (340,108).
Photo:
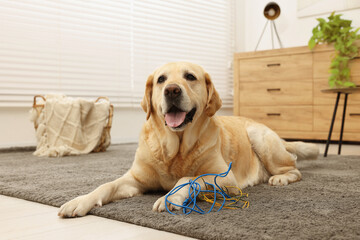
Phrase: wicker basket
(105,137)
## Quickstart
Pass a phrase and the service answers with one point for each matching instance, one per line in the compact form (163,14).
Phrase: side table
(339,91)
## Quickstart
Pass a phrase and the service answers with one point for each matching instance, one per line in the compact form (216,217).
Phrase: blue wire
(189,205)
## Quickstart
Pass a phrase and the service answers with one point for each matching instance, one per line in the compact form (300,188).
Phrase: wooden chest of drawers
(282,89)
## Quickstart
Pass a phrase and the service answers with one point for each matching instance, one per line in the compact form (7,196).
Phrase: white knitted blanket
(69,126)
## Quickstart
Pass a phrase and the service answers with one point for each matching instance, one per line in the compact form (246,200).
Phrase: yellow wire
(209,197)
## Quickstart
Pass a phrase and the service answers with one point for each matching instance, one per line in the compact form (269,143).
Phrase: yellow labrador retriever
(182,139)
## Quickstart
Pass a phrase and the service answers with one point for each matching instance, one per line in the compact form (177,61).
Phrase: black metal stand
(332,124)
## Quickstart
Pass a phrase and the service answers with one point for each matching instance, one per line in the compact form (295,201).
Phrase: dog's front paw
(78,207)
(159,205)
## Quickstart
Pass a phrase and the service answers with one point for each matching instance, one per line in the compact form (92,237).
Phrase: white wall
(15,127)
(293,31)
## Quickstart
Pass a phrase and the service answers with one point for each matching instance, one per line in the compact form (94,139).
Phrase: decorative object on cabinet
(282,89)
(271,12)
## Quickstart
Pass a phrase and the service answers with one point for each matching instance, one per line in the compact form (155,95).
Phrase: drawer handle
(273,114)
(274,65)
(354,114)
(273,89)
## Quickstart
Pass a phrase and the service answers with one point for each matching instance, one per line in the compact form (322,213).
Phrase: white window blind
(108,48)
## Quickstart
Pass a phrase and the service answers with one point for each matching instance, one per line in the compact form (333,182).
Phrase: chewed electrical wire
(212,193)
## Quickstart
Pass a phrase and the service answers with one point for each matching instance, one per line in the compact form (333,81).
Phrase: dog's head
(179,93)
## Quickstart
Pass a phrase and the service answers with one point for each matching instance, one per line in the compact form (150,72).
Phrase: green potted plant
(338,31)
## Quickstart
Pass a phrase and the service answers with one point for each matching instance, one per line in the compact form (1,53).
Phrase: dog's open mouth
(177,118)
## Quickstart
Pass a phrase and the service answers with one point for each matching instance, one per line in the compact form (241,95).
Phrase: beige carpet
(324,205)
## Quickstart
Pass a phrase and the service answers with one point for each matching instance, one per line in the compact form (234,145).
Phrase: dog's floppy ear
(213,102)
(146,102)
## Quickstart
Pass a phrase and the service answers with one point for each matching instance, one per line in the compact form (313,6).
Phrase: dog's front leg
(178,198)
(183,193)
(124,187)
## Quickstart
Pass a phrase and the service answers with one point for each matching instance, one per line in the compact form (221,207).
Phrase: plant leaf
(335,63)
(346,73)
(349,43)
(349,84)
(334,71)
(339,83)
(321,20)
(331,17)
(331,83)
(312,43)
(315,30)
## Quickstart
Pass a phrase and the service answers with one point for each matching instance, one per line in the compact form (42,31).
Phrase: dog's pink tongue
(175,119)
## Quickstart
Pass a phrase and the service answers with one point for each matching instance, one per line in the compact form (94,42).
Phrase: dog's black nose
(172,91)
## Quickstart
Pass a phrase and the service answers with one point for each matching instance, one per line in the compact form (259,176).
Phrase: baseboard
(124,140)
(18,145)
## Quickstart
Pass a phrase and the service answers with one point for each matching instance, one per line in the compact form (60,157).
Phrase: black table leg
(342,123)
(332,124)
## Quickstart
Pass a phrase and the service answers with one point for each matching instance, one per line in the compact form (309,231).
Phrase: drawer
(322,61)
(321,98)
(323,115)
(296,118)
(276,93)
(284,68)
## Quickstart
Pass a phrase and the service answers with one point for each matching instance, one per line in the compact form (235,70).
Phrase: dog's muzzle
(175,117)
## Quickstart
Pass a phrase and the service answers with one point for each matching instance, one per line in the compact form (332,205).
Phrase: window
(108,48)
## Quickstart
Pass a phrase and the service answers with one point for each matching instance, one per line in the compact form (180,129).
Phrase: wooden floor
(20,219)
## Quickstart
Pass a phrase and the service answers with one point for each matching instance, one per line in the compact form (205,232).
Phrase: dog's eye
(161,79)
(189,76)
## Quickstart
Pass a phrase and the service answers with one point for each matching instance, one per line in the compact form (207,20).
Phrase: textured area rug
(324,205)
